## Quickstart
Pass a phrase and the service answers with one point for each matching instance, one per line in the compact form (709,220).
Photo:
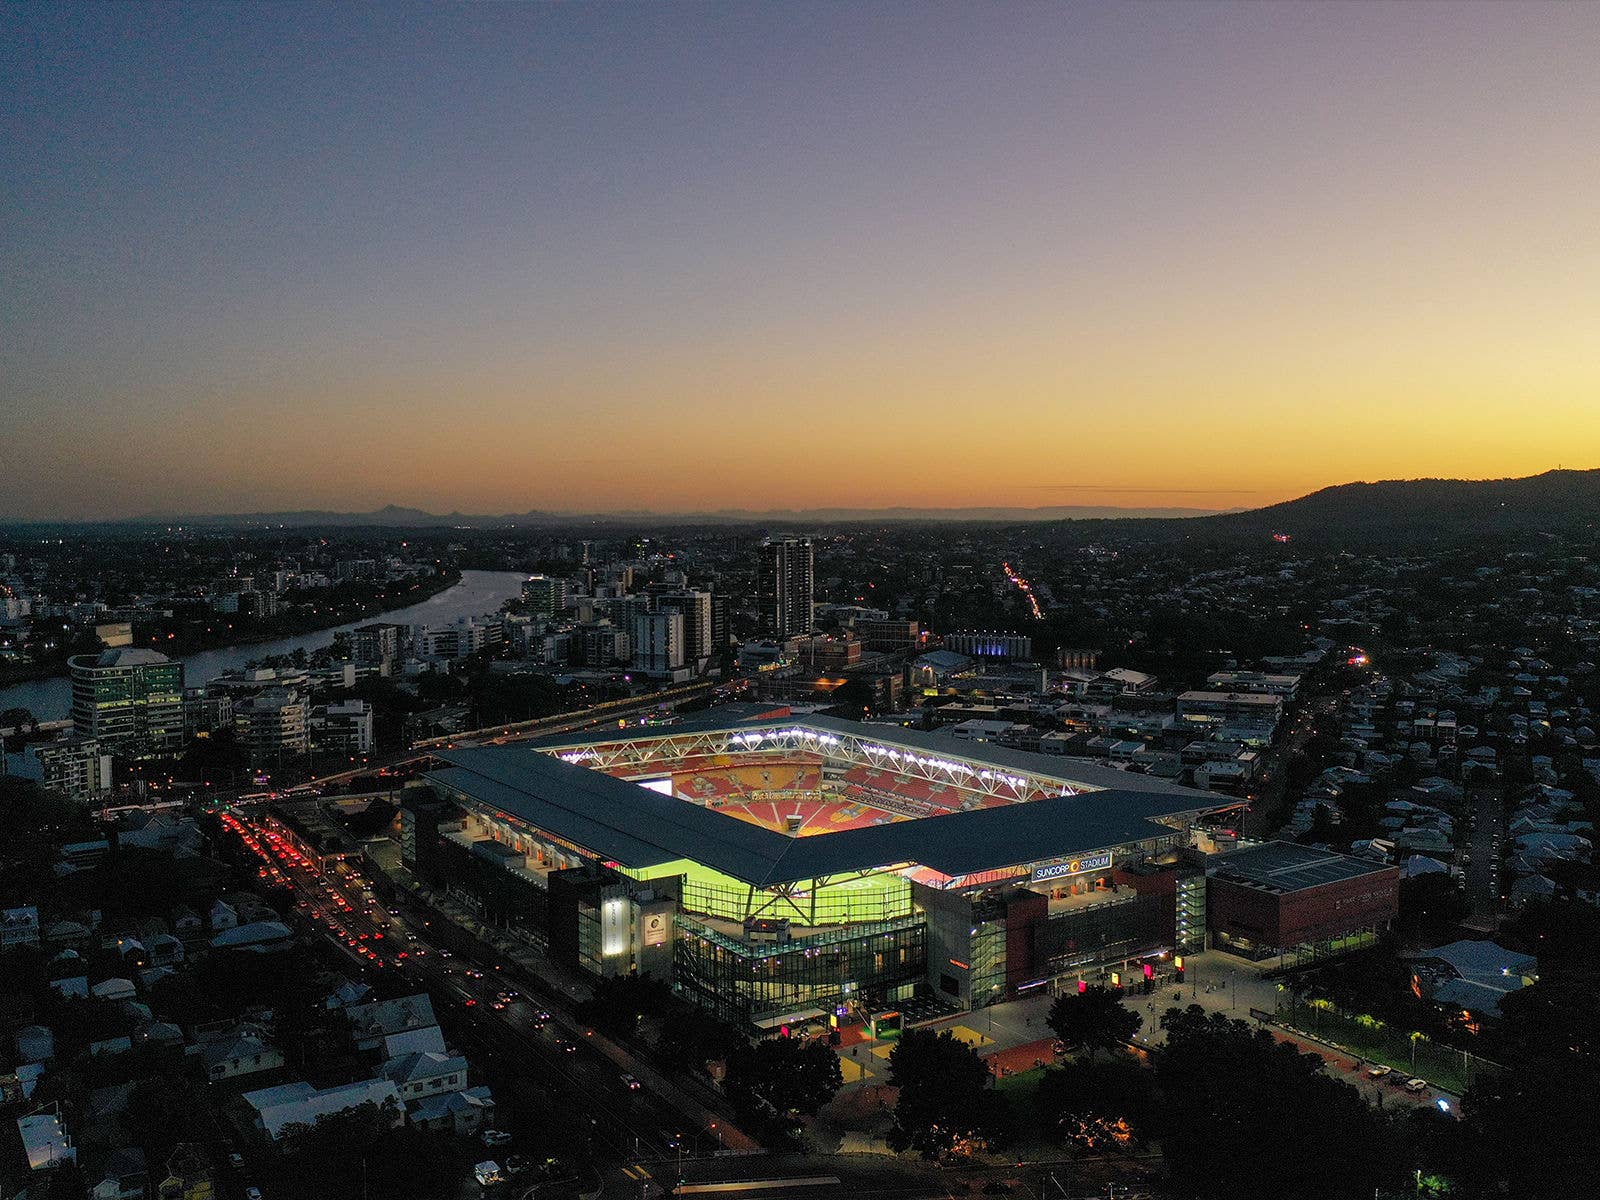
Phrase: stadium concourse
(780,868)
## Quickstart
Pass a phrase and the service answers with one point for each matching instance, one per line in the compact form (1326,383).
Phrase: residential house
(425,1073)
(396,1027)
(245,1054)
(278,1110)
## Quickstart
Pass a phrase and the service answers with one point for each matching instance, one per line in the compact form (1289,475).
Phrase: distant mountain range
(1392,508)
(395,516)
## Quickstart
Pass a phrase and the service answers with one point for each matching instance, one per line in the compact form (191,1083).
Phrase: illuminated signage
(613,926)
(1076,866)
(655,929)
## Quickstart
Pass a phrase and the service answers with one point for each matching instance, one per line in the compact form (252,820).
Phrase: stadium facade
(777,867)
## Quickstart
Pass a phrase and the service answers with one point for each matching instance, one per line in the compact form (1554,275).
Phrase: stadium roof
(1086,773)
(1281,867)
(639,828)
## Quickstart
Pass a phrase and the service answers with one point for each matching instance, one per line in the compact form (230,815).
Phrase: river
(477,593)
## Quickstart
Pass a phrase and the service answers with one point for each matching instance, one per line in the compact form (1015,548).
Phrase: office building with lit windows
(129,701)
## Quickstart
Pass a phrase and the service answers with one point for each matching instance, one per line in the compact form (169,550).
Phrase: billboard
(1075,866)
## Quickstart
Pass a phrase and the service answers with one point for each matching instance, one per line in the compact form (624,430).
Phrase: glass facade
(988,962)
(136,707)
(1190,931)
(842,901)
(1103,933)
(742,982)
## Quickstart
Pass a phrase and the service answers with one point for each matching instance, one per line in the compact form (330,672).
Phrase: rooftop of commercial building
(1282,867)
(121,658)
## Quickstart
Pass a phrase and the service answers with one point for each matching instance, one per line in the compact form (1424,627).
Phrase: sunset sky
(590,257)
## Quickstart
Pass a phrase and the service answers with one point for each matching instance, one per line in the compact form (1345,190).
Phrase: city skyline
(599,259)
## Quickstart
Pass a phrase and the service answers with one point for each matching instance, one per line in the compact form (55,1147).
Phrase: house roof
(302,1104)
(382,1018)
(1481,959)
(245,1046)
(422,1064)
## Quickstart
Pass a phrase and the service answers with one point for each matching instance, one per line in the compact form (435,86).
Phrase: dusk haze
(590,257)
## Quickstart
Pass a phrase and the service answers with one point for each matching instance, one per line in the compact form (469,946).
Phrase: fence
(1446,1067)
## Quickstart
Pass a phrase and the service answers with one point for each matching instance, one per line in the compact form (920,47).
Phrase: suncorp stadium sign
(1076,866)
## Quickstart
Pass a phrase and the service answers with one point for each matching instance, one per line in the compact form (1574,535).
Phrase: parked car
(495,1137)
(1416,1086)
(1379,1071)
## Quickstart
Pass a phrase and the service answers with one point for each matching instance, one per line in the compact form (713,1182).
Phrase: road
(1266,814)
(536,1059)
(1483,860)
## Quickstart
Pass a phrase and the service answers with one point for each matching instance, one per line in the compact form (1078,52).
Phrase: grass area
(1442,1066)
(1021,1085)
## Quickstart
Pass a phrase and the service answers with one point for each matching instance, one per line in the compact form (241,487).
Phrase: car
(1416,1086)
(252,1193)
(541,1015)
(1380,1071)
(629,1082)
(236,1161)
(495,1137)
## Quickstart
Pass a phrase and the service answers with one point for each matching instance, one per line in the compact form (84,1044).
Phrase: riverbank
(376,609)
(420,594)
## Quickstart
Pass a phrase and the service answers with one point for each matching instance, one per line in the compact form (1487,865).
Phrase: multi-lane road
(537,1058)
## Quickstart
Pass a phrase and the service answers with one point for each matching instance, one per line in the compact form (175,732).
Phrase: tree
(1092,1020)
(690,1038)
(1245,1116)
(20,719)
(1520,1121)
(776,1081)
(1432,907)
(618,1004)
(945,1105)
(1098,1106)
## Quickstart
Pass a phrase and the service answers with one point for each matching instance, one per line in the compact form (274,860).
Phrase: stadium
(776,866)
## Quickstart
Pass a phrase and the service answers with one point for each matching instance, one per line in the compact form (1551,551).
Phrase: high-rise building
(658,641)
(78,768)
(544,595)
(345,727)
(378,643)
(696,610)
(271,724)
(785,580)
(129,701)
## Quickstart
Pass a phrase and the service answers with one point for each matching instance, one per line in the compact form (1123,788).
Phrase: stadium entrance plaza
(1013,1034)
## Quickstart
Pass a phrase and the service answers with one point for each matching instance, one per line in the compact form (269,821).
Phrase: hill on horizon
(1553,499)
